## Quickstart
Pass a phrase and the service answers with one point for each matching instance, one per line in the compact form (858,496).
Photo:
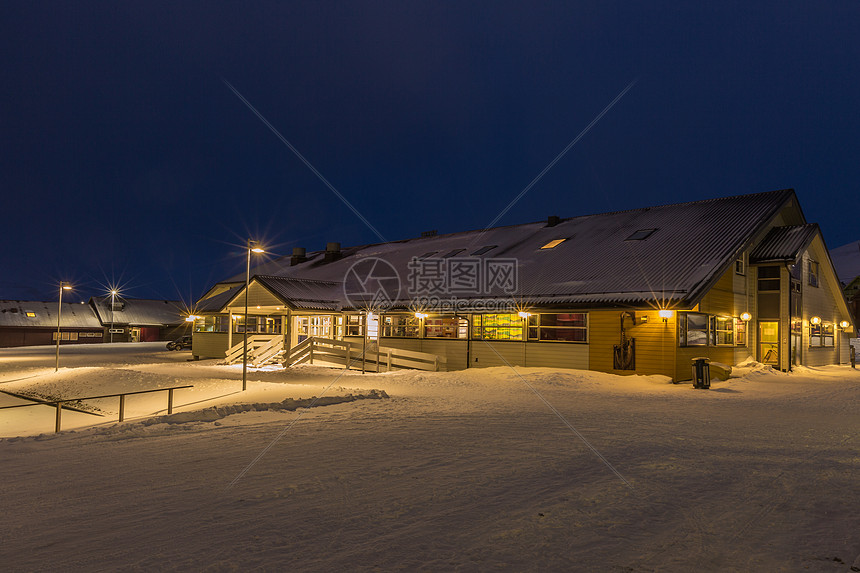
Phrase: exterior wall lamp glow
(844,324)
(253,247)
(421,315)
(523,314)
(665,314)
(815,320)
(745,316)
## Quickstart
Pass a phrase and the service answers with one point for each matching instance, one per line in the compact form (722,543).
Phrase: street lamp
(253,247)
(63,286)
(113,294)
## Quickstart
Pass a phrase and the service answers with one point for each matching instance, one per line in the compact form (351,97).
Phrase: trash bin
(701,372)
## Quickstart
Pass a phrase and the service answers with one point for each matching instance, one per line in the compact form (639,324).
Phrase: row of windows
(821,335)
(561,327)
(772,272)
(256,324)
(699,329)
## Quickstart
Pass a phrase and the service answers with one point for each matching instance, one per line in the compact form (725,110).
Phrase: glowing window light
(553,244)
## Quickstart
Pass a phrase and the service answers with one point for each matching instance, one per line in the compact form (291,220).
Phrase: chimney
(332,252)
(552,221)
(298,256)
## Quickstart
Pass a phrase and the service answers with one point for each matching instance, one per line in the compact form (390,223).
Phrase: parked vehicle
(180,343)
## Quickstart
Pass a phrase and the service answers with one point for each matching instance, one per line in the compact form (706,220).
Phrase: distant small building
(32,323)
(139,320)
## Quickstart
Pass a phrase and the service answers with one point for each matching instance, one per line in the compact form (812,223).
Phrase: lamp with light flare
(844,324)
(421,315)
(745,316)
(665,314)
(523,314)
(253,247)
(815,320)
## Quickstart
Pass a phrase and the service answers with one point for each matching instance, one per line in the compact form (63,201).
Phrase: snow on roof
(139,312)
(43,314)
(691,245)
(784,243)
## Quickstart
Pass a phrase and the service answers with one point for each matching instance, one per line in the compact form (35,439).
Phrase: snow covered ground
(469,471)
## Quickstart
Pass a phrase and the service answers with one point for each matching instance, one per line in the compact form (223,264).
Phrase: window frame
(537,327)
(480,328)
(813,274)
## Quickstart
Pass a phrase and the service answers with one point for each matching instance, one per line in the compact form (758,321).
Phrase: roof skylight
(453,253)
(483,250)
(427,255)
(640,235)
(553,244)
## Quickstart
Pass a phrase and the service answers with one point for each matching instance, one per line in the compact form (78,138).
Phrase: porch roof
(784,244)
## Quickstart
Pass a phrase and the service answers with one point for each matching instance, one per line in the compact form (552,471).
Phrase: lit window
(553,244)
(821,335)
(497,327)
(567,327)
(31,314)
(813,273)
(725,331)
(400,325)
(483,250)
(640,235)
(445,327)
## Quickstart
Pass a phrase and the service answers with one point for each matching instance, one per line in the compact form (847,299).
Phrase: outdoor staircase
(262,350)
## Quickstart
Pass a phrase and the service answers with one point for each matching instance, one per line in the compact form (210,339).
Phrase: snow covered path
(457,471)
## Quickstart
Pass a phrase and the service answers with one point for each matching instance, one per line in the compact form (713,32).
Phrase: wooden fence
(372,358)
(58,404)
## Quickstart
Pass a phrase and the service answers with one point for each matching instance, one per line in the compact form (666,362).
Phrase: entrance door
(796,342)
(768,342)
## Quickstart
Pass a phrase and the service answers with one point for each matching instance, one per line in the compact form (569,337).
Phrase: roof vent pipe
(332,252)
(552,221)
(298,256)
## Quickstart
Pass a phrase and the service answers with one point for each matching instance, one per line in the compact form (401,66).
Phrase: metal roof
(13,313)
(692,245)
(305,294)
(216,303)
(784,244)
(139,312)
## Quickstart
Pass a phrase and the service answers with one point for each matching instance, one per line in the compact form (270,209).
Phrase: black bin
(702,372)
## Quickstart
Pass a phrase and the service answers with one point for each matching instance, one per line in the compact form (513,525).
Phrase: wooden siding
(257,296)
(819,301)
(209,344)
(655,342)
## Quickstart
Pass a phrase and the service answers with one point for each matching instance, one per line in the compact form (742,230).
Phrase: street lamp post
(63,286)
(253,247)
(112,302)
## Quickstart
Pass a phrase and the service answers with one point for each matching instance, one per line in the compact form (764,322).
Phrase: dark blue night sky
(126,159)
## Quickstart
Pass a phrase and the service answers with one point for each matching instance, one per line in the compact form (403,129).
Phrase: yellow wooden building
(641,291)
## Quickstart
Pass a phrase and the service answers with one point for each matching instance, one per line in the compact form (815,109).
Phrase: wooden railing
(58,404)
(256,343)
(370,358)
